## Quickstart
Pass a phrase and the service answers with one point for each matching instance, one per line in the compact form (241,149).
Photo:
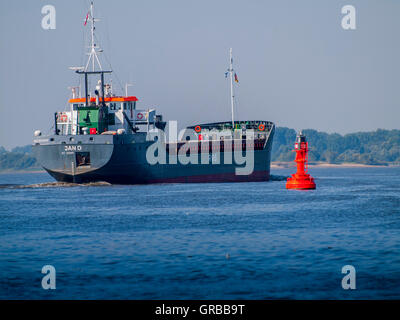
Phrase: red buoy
(301,179)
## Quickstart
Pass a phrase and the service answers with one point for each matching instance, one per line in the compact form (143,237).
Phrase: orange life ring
(261,127)
(197,128)
(63,118)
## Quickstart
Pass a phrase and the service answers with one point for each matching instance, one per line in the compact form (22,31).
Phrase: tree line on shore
(19,158)
(380,147)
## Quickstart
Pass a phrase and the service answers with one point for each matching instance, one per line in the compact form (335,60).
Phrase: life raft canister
(261,127)
(197,128)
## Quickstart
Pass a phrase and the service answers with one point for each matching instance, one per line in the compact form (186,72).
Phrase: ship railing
(215,145)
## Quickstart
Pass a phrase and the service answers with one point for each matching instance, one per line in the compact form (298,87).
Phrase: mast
(93,52)
(230,70)
(94,59)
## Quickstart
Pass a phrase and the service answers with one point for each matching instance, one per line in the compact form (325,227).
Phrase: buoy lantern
(301,179)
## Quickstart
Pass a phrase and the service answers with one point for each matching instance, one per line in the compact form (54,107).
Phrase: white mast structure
(230,70)
(93,51)
(126,88)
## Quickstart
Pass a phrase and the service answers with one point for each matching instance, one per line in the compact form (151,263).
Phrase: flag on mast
(87,17)
(236,78)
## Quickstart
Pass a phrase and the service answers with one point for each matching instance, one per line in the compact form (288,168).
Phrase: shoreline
(274,165)
(22,171)
(291,164)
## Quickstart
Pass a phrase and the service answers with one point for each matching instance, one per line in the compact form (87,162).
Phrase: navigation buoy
(301,179)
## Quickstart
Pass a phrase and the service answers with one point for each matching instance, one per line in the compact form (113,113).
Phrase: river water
(202,241)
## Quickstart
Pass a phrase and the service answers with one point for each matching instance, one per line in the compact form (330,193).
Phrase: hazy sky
(296,65)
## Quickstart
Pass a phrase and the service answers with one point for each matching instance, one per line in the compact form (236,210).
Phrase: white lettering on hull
(72,148)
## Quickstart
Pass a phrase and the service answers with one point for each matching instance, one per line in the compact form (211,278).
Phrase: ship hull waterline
(121,160)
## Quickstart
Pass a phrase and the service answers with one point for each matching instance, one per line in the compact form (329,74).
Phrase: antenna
(76,68)
(75,92)
(93,50)
(126,88)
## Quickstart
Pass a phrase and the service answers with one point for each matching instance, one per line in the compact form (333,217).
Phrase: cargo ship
(106,137)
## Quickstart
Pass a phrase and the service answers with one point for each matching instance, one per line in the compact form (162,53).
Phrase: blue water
(203,241)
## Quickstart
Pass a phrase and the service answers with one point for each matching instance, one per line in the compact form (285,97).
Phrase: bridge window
(111,119)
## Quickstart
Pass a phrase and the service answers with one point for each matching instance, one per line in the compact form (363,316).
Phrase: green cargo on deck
(90,117)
